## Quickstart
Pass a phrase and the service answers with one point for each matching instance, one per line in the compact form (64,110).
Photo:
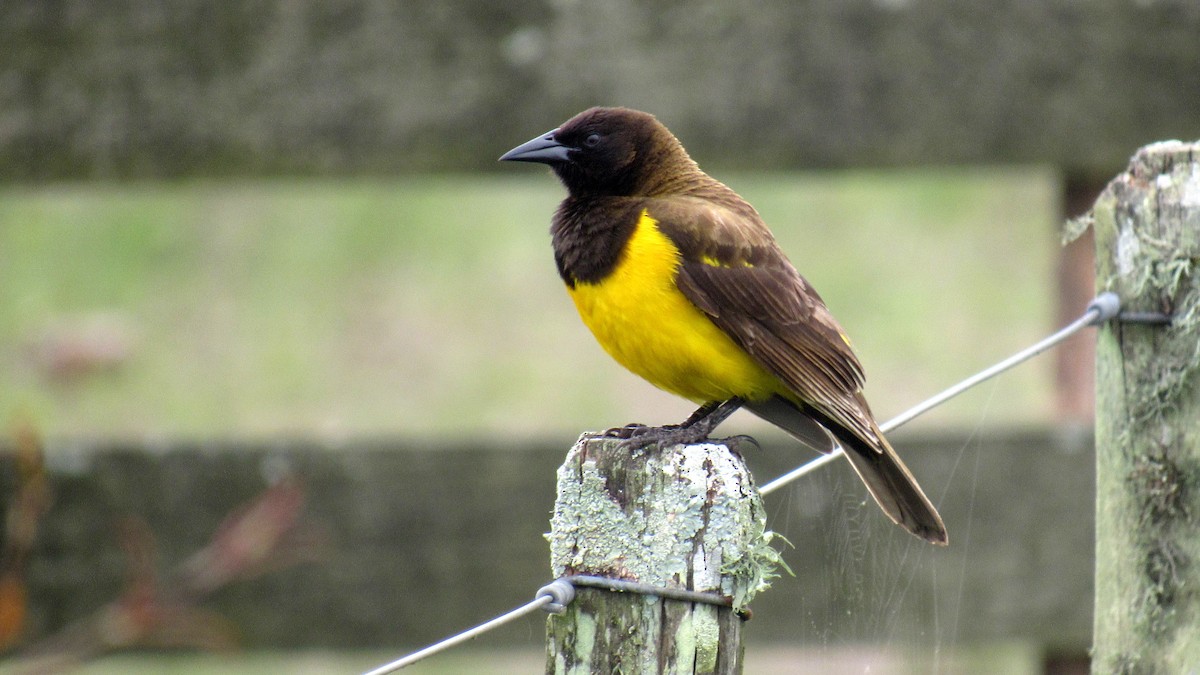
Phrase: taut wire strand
(449,642)
(1102,308)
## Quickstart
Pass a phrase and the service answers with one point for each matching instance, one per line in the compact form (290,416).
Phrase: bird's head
(606,151)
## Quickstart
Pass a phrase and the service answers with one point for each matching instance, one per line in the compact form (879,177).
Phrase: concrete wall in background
(131,89)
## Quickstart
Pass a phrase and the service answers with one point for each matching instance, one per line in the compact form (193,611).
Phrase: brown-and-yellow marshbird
(682,283)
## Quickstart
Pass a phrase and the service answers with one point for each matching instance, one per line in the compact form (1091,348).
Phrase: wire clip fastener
(561,592)
(668,593)
(1107,306)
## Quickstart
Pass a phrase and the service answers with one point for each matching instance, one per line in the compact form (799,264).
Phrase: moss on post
(684,516)
(1147,225)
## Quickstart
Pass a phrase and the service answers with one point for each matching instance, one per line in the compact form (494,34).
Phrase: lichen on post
(1147,225)
(682,516)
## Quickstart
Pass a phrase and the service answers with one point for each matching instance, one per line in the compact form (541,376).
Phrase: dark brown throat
(589,236)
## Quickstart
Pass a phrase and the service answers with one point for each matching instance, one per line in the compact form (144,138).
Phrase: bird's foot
(628,431)
(640,436)
(637,435)
(694,429)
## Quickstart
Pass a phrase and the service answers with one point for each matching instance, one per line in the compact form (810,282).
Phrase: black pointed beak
(543,150)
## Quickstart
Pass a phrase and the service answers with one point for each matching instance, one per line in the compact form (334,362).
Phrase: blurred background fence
(417,542)
(187,88)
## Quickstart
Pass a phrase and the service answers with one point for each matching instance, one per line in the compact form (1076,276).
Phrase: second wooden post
(1148,417)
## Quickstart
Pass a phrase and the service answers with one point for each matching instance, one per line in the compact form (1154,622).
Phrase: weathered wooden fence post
(685,517)
(1147,225)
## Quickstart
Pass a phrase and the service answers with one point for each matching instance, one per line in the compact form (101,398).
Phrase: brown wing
(733,270)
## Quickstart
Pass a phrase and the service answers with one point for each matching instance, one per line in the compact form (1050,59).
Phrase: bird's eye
(592,140)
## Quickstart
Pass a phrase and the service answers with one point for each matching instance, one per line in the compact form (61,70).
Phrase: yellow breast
(642,320)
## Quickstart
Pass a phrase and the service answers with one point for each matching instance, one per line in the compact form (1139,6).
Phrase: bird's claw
(628,431)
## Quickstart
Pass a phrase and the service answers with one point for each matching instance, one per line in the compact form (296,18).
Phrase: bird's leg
(707,414)
(694,429)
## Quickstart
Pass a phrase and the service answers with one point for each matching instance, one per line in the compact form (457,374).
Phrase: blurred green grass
(430,305)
